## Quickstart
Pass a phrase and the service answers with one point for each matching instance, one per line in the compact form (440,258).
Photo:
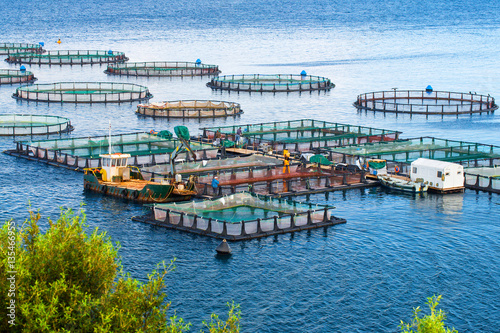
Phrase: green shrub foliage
(431,323)
(66,280)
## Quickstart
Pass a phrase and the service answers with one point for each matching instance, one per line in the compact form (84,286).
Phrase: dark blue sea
(364,276)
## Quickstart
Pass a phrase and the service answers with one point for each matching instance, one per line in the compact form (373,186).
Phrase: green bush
(66,280)
(432,323)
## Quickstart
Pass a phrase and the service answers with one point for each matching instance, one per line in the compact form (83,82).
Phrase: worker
(217,138)
(286,162)
(215,184)
(238,136)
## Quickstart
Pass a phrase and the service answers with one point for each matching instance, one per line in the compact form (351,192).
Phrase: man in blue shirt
(215,185)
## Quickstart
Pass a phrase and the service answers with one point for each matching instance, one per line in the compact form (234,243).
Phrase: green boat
(116,178)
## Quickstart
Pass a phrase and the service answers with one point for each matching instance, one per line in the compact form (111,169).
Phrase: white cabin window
(447,174)
(105,162)
(459,172)
(113,162)
(124,162)
(414,170)
(439,174)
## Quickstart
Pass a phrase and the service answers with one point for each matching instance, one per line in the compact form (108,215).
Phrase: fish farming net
(9,76)
(25,124)
(83,92)
(426,102)
(270,82)
(144,148)
(68,57)
(302,135)
(484,178)
(9,48)
(164,68)
(190,109)
(407,151)
(216,165)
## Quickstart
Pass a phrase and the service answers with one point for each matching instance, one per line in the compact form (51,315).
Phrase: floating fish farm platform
(164,68)
(408,150)
(83,92)
(270,83)
(10,76)
(80,153)
(483,179)
(300,135)
(67,57)
(28,124)
(209,167)
(427,102)
(273,180)
(8,48)
(241,216)
(190,109)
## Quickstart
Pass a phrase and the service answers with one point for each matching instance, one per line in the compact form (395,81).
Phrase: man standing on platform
(215,185)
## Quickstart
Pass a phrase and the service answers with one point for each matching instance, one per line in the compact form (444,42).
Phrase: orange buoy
(396,169)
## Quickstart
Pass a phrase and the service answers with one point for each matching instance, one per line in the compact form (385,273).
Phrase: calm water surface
(364,276)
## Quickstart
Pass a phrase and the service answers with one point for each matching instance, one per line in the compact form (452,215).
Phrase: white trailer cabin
(440,176)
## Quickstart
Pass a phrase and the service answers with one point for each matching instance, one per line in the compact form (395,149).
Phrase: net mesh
(165,68)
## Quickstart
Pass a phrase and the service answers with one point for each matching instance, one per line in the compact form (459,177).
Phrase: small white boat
(402,184)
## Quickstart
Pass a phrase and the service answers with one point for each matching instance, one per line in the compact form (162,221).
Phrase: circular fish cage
(9,48)
(10,76)
(190,109)
(27,124)
(427,102)
(83,92)
(270,83)
(67,57)
(171,68)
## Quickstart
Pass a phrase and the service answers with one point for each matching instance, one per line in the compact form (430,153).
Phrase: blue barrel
(110,52)
(42,44)
(429,88)
(23,69)
(198,61)
(303,73)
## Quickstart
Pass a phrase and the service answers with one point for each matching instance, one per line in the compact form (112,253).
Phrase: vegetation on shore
(66,280)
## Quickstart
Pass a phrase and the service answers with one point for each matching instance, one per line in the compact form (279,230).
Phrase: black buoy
(223,248)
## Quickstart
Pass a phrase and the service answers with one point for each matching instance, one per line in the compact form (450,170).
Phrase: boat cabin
(114,167)
(441,176)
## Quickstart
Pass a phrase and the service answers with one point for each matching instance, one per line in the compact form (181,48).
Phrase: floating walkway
(164,68)
(427,102)
(79,153)
(11,76)
(270,83)
(300,135)
(233,217)
(484,179)
(408,150)
(9,48)
(190,109)
(27,124)
(83,92)
(67,57)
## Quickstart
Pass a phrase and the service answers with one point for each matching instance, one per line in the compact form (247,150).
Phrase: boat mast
(109,152)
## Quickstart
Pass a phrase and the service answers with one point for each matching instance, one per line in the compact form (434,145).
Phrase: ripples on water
(364,276)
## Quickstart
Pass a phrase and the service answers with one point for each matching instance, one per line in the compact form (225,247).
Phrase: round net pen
(172,68)
(190,109)
(10,76)
(83,92)
(270,83)
(68,57)
(9,48)
(426,102)
(27,124)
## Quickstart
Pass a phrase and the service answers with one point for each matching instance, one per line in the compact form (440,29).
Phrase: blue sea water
(364,276)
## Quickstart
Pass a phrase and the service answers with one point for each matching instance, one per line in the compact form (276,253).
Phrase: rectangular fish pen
(301,135)
(209,167)
(241,216)
(79,153)
(483,179)
(408,150)
(272,180)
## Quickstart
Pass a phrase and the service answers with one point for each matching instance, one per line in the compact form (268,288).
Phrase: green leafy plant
(66,280)
(432,323)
